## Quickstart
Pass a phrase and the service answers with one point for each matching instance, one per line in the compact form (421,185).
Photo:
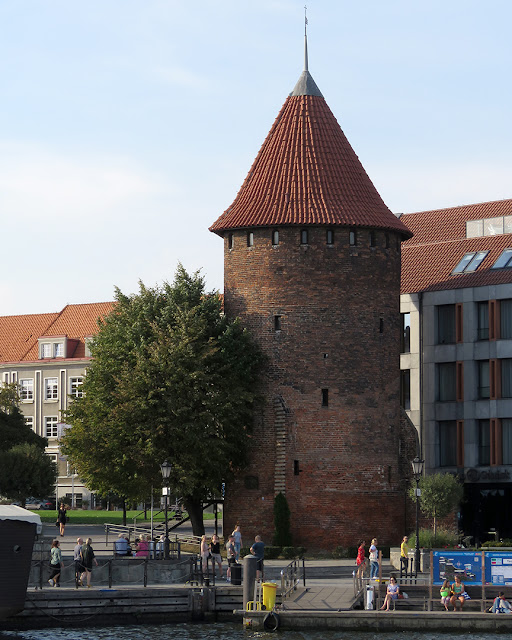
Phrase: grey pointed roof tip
(306,86)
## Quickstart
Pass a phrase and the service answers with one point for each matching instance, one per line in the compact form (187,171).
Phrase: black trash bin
(236,574)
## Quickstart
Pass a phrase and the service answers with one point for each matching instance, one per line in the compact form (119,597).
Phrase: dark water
(225,631)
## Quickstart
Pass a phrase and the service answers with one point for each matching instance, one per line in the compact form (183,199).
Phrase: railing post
(40,574)
(303,571)
(145,572)
(110,574)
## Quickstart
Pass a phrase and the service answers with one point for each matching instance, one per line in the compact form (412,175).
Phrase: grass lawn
(82,516)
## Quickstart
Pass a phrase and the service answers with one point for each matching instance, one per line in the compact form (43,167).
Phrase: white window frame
(46,350)
(51,429)
(75,386)
(26,391)
(51,390)
(29,421)
(58,350)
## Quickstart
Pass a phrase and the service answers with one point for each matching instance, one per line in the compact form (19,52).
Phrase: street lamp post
(417,471)
(165,468)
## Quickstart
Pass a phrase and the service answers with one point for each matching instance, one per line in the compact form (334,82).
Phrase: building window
(329,236)
(58,350)
(50,389)
(506,378)
(373,239)
(75,387)
(484,443)
(387,240)
(484,384)
(505,319)
(230,240)
(504,261)
(405,338)
(304,236)
(325,397)
(250,239)
(470,262)
(50,426)
(277,323)
(506,442)
(405,389)
(446,324)
(26,389)
(46,350)
(275,238)
(483,321)
(447,443)
(446,382)
(29,422)
(352,238)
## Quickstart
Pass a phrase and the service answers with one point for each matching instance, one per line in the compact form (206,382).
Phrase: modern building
(312,266)
(47,356)
(456,360)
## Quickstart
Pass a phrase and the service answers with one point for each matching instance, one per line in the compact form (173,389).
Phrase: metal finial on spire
(305,39)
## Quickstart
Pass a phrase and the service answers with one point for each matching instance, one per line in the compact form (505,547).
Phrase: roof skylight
(489,227)
(505,260)
(470,262)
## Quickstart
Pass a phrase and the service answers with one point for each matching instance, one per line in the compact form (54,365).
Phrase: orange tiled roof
(440,242)
(19,334)
(306,173)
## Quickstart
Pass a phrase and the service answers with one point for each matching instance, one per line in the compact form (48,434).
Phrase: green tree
(282,533)
(13,429)
(171,378)
(441,493)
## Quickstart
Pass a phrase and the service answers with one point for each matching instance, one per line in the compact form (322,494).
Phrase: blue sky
(127,127)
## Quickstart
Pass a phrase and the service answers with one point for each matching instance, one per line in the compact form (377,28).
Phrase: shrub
(442,538)
(293,552)
(282,534)
(502,543)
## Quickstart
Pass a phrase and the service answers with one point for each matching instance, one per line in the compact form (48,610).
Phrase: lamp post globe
(165,468)
(417,471)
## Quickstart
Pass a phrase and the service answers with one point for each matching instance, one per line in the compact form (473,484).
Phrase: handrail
(291,575)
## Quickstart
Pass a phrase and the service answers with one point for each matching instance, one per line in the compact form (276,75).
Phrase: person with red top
(360,560)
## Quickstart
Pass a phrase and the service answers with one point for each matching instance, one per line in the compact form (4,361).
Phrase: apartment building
(47,355)
(456,360)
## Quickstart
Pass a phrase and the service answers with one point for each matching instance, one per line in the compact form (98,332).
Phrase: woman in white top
(374,559)
(237,535)
(205,553)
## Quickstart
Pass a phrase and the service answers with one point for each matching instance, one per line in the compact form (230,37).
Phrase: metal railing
(291,576)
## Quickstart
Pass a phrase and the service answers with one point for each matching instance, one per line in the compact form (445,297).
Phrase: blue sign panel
(466,564)
(498,568)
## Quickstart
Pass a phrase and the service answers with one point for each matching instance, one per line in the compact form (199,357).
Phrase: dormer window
(46,350)
(58,349)
(53,347)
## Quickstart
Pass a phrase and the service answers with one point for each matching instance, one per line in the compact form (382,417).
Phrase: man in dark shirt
(258,550)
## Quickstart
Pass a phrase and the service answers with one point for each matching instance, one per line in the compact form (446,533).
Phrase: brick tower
(312,266)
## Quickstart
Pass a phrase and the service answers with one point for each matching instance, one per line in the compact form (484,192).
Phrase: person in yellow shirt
(404,555)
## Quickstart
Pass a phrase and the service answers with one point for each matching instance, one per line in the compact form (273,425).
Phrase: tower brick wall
(335,454)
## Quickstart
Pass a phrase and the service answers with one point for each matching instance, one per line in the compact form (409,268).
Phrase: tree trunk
(195,511)
(124,512)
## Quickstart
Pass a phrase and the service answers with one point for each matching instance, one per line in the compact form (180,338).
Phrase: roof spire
(306,86)
(305,39)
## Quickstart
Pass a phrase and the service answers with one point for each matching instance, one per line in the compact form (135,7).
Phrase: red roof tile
(440,242)
(19,334)
(306,173)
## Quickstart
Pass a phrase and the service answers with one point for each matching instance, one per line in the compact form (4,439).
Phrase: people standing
(258,550)
(374,559)
(205,553)
(56,564)
(78,561)
(404,556)
(87,557)
(62,518)
(237,534)
(215,553)
(360,560)
(231,556)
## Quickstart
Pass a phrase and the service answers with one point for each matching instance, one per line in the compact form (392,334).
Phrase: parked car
(49,503)
(33,503)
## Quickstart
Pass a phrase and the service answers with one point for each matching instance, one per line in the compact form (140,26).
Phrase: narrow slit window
(352,238)
(304,236)
(329,236)
(373,239)
(230,241)
(250,239)
(275,238)
(296,468)
(277,323)
(325,397)
(387,240)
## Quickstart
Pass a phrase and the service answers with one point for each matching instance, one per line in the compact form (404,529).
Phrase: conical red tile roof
(306,173)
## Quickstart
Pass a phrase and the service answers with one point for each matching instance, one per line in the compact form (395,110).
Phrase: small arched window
(304,236)
(275,238)
(329,236)
(230,241)
(352,238)
(250,238)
